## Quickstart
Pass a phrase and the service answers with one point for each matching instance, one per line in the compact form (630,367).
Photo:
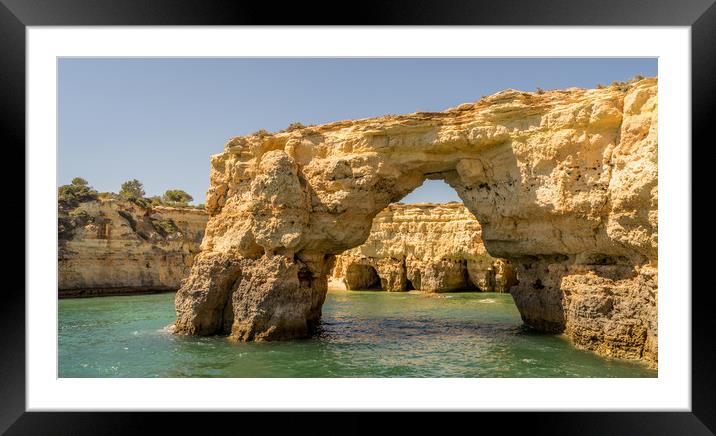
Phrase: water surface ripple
(363,334)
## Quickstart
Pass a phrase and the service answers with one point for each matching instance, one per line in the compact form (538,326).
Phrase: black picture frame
(15,15)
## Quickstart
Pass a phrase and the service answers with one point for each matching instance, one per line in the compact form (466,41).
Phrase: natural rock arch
(564,185)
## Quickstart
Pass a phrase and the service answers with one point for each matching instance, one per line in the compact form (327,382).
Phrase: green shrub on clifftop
(177,197)
(155,200)
(79,191)
(293,126)
(132,189)
(79,181)
(262,133)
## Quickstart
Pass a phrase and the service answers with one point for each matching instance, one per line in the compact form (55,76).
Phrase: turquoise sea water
(364,334)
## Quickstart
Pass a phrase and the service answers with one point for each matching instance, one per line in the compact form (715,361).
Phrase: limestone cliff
(563,183)
(111,246)
(430,247)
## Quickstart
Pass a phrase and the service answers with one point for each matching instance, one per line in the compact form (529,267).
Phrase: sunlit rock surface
(430,247)
(563,183)
(114,247)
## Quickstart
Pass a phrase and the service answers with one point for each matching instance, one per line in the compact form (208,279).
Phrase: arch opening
(428,241)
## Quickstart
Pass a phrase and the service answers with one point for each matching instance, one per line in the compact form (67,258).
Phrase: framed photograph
(472,207)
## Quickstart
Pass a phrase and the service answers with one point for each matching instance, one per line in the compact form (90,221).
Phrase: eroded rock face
(111,246)
(611,309)
(430,247)
(362,275)
(564,185)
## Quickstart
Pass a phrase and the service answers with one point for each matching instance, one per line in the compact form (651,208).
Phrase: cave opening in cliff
(362,277)
(428,241)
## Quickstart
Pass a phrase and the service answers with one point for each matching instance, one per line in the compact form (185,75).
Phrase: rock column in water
(563,184)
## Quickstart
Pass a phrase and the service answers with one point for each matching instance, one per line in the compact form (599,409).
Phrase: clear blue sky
(159,120)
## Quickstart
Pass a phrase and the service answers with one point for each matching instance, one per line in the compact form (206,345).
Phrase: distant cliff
(109,246)
(431,247)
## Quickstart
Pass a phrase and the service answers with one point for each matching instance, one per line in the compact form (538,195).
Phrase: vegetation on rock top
(79,191)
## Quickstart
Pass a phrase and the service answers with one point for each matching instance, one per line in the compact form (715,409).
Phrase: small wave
(487,301)
(167,329)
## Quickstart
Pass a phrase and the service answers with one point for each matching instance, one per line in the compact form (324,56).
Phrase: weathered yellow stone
(112,246)
(565,188)
(437,246)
